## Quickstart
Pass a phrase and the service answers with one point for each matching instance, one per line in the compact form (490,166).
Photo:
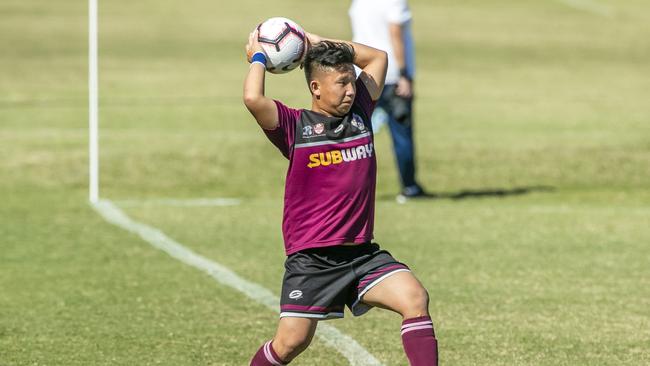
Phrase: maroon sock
(266,356)
(420,342)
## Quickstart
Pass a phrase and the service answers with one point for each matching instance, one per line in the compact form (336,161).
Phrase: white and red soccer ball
(284,44)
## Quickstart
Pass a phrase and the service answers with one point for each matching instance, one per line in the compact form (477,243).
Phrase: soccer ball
(283,41)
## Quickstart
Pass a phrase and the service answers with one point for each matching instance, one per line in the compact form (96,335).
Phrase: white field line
(590,6)
(196,202)
(344,344)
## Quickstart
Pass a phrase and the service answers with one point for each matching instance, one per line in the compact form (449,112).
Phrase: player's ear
(314,87)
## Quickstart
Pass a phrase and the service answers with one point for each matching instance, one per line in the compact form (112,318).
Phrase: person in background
(386,25)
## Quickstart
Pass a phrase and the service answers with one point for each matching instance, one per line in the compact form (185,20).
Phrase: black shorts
(319,282)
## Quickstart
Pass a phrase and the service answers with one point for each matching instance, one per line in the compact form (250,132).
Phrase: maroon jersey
(329,195)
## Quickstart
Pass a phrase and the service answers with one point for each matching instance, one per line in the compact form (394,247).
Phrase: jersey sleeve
(398,12)
(363,99)
(283,136)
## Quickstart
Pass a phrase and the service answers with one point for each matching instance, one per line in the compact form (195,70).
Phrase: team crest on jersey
(357,122)
(319,128)
(307,131)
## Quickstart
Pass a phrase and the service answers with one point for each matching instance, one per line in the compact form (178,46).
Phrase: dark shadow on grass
(475,193)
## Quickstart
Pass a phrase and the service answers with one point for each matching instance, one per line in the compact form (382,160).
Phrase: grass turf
(532,127)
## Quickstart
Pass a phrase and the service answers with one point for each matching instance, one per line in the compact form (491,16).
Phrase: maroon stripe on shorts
(321,309)
(379,273)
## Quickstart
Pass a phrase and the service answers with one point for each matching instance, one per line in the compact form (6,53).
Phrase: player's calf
(418,335)
(280,351)
(292,337)
(419,340)
(289,347)
(294,334)
(266,356)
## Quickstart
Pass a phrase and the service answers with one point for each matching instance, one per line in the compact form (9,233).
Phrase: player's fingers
(248,53)
(403,93)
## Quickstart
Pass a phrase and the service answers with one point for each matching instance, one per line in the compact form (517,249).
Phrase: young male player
(329,203)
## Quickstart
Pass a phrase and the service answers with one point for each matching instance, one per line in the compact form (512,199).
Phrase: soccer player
(330,200)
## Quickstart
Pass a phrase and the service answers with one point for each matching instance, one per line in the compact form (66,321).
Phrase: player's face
(337,90)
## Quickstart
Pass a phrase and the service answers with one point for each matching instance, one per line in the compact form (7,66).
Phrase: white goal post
(93,104)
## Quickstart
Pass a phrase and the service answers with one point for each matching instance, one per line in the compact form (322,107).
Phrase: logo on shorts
(295,294)
(339,128)
(307,131)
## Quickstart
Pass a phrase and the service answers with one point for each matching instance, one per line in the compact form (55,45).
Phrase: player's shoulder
(287,117)
(284,109)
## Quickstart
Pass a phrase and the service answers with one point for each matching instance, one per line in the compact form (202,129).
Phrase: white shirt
(370,25)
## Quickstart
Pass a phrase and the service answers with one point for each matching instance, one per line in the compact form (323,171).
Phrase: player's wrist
(403,72)
(260,58)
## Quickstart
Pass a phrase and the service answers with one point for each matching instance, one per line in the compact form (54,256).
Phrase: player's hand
(312,39)
(404,88)
(253,46)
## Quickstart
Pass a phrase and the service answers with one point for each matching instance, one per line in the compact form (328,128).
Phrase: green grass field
(533,126)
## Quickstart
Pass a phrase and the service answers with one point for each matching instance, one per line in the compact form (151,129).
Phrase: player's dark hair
(328,54)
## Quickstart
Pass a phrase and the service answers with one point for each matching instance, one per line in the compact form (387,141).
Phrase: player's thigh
(296,331)
(400,292)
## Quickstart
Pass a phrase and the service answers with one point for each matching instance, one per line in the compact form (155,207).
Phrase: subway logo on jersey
(340,156)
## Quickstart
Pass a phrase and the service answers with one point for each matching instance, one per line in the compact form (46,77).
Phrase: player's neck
(315,107)
(318,109)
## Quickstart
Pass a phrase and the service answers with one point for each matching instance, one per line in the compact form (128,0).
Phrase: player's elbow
(381,56)
(251,100)
(380,60)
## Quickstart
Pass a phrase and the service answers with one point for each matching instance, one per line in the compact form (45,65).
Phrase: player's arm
(404,85)
(262,108)
(372,62)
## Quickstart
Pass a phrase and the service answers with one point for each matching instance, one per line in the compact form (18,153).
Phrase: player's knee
(290,346)
(418,302)
(421,298)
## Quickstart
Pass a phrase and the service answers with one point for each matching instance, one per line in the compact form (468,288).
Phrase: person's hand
(253,46)
(404,88)
(312,39)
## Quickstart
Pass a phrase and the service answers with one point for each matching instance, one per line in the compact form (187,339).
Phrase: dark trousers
(400,121)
